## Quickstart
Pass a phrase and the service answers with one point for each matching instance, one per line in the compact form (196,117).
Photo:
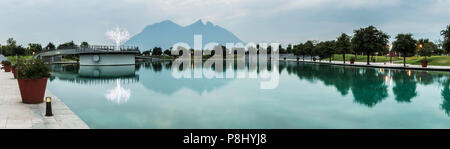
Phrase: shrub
(33,70)
(6,63)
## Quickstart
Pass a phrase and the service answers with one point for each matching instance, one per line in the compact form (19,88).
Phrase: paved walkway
(378,65)
(15,114)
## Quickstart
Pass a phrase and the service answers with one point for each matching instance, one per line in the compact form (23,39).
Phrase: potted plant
(7,66)
(14,71)
(32,77)
(352,60)
(424,63)
(426,50)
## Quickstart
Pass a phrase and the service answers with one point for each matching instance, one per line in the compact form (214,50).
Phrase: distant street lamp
(390,52)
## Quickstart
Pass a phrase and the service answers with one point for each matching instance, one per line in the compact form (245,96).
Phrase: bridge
(94,55)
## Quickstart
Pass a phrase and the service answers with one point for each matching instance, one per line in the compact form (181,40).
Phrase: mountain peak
(166,33)
(199,22)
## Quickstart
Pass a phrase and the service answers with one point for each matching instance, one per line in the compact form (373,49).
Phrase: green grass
(433,60)
(363,58)
(14,59)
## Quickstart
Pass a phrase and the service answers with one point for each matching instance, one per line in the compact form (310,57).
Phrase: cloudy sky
(284,21)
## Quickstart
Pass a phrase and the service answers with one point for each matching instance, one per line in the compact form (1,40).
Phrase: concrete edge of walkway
(379,65)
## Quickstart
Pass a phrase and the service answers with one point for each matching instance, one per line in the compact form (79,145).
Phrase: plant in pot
(426,50)
(352,60)
(7,66)
(32,77)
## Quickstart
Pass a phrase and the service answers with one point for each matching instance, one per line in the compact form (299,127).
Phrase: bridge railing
(106,48)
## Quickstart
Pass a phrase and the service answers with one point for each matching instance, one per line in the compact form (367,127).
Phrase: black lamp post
(48,110)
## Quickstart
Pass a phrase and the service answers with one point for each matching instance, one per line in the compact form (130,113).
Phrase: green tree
(84,44)
(67,45)
(50,46)
(406,45)
(325,49)
(309,48)
(427,49)
(281,50)
(167,52)
(343,45)
(11,42)
(35,47)
(300,50)
(289,49)
(369,40)
(157,51)
(446,42)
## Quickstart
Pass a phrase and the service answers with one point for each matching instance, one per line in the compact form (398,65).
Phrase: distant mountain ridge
(166,33)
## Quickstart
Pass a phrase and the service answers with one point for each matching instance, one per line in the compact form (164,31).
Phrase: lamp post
(390,53)
(48,110)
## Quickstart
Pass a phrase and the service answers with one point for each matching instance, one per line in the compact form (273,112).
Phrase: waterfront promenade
(377,65)
(16,115)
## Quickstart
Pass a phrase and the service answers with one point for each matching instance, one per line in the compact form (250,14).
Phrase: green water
(308,96)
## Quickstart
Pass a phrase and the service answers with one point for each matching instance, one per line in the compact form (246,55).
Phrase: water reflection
(369,86)
(118,94)
(366,86)
(101,75)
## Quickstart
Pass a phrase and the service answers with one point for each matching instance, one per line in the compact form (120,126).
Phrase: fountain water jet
(118,35)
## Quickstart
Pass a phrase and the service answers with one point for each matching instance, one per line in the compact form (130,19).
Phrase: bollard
(48,111)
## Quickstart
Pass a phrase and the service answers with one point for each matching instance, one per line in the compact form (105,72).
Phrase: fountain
(119,35)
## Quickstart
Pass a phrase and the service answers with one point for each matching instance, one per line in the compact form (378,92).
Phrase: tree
(406,45)
(84,44)
(369,40)
(50,46)
(343,45)
(167,52)
(300,50)
(309,48)
(157,51)
(446,42)
(35,47)
(11,42)
(68,45)
(325,49)
(289,49)
(427,49)
(281,50)
(147,53)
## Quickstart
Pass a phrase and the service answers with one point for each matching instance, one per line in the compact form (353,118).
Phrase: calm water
(308,96)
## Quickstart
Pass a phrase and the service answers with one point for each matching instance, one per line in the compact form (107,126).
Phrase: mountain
(166,33)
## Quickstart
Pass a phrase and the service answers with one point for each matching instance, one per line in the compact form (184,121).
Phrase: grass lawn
(363,58)
(14,59)
(433,60)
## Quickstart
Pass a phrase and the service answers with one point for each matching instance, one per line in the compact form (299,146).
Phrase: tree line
(12,49)
(370,41)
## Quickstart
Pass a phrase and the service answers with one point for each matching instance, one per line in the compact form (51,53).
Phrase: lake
(146,95)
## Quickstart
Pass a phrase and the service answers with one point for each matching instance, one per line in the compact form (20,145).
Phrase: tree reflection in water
(369,86)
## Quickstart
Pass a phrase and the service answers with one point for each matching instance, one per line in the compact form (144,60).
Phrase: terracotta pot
(424,63)
(14,71)
(32,90)
(7,68)
(352,61)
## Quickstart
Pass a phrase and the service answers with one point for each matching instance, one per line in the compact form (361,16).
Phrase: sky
(281,21)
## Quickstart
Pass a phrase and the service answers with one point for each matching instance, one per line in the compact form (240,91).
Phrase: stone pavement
(16,115)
